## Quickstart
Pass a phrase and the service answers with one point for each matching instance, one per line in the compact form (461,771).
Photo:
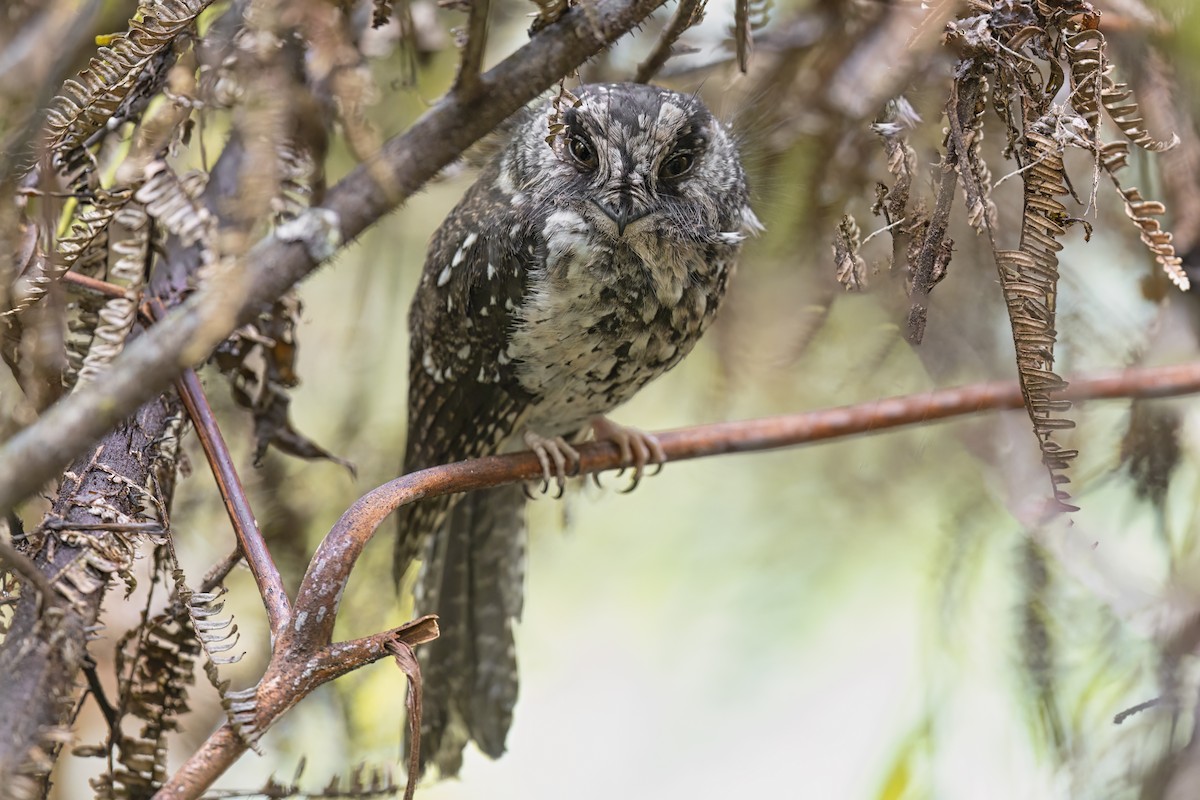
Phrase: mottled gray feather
(557,288)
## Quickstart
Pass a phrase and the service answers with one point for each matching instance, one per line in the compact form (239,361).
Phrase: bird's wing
(464,401)
(464,398)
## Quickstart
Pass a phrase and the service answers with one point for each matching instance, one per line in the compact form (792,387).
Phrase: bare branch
(686,15)
(44,651)
(249,537)
(467,80)
(330,567)
(290,677)
(303,657)
(190,332)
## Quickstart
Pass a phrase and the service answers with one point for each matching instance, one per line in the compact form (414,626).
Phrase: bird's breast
(602,318)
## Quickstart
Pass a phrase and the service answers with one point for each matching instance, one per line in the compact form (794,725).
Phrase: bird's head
(635,161)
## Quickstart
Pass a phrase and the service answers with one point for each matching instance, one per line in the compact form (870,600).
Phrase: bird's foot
(637,447)
(554,454)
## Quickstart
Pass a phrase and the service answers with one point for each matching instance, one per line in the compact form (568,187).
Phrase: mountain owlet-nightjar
(584,262)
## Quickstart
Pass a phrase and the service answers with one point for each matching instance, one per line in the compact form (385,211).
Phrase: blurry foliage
(808,565)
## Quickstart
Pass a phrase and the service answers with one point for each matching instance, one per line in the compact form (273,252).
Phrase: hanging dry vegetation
(1043,68)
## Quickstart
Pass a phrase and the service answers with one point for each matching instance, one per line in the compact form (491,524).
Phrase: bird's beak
(623,214)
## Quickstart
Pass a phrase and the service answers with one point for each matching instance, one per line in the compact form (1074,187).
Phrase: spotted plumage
(585,261)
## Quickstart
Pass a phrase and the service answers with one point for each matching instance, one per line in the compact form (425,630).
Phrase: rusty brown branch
(330,567)
(245,527)
(303,657)
(94,285)
(289,678)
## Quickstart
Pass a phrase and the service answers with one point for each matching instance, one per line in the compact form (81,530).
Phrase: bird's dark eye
(581,150)
(677,165)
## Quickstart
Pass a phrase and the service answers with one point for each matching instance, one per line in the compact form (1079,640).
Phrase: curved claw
(544,460)
(596,479)
(638,449)
(554,455)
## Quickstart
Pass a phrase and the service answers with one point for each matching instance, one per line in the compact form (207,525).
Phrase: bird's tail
(472,577)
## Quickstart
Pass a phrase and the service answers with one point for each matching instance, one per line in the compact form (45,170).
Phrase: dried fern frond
(1028,51)
(1029,280)
(850,266)
(86,238)
(118,314)
(892,202)
(971,167)
(1093,86)
(301,180)
(217,636)
(171,201)
(260,362)
(381,12)
(363,782)
(548,11)
(1143,212)
(87,104)
(153,680)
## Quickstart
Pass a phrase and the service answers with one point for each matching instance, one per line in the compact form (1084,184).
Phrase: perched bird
(584,262)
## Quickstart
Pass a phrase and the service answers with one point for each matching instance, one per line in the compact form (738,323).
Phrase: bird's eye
(677,165)
(581,150)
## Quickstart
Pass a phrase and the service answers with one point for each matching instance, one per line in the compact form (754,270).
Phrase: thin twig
(97,689)
(120,527)
(741,34)
(1139,708)
(469,66)
(686,15)
(94,285)
(23,566)
(233,493)
(217,574)
(245,527)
